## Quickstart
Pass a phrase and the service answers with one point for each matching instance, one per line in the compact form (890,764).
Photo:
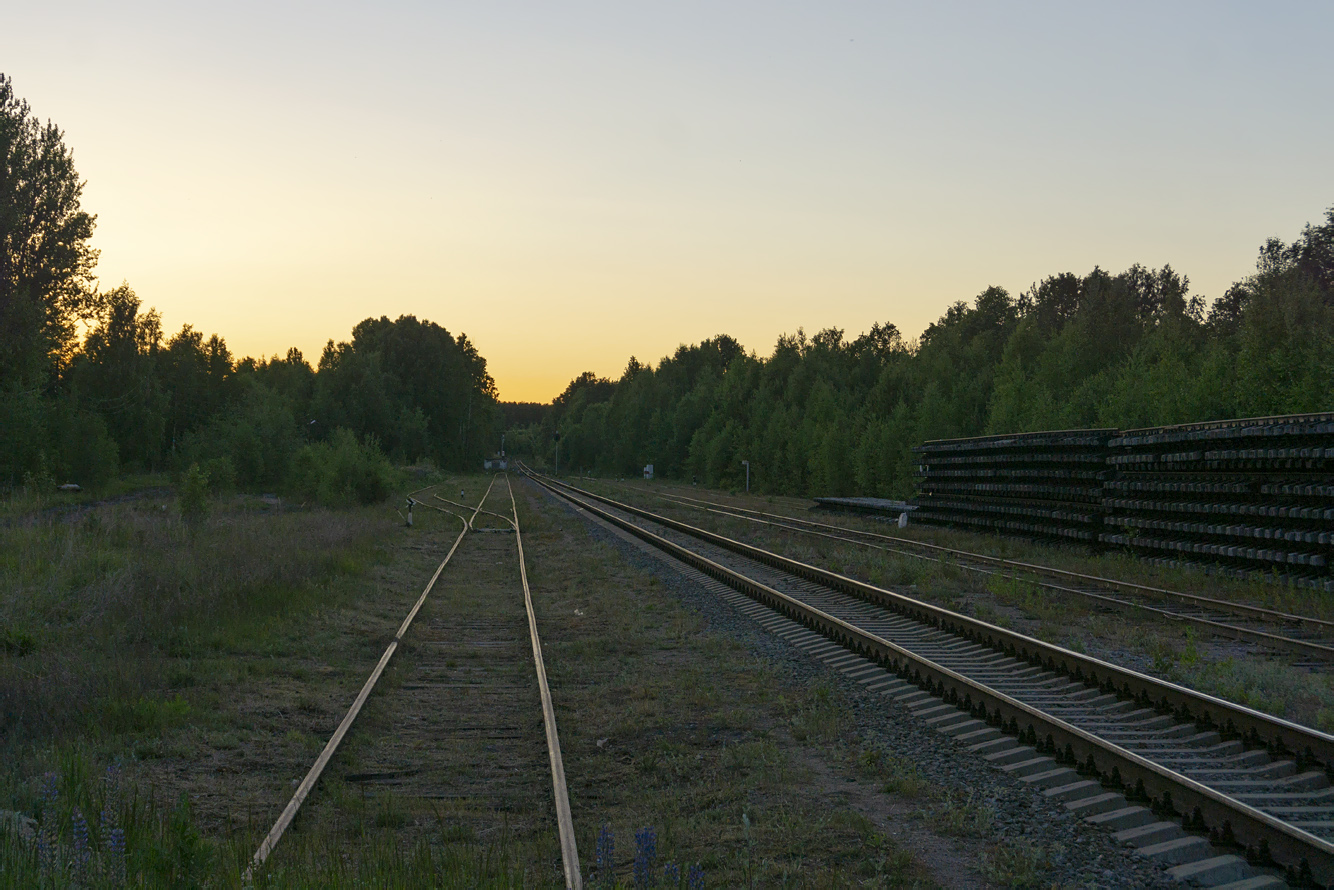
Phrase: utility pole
(747,463)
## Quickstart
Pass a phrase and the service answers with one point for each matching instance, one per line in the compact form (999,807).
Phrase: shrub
(194,495)
(256,439)
(221,474)
(88,453)
(344,470)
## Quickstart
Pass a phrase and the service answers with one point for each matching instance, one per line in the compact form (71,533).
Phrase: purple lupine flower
(50,788)
(606,854)
(82,852)
(646,851)
(116,852)
(671,874)
(695,877)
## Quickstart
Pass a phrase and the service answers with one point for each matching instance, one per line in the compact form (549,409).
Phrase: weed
(963,814)
(1018,862)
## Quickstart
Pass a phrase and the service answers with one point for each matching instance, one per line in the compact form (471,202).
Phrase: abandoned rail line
(491,655)
(1218,793)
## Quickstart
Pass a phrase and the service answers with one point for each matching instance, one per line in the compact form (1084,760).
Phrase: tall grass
(89,608)
(106,612)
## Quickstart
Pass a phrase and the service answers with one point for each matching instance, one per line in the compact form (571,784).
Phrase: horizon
(572,188)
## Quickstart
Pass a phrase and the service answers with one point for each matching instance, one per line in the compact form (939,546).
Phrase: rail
(289,812)
(1276,641)
(565,824)
(1263,834)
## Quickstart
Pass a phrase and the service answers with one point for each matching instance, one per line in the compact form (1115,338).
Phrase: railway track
(1309,639)
(1218,793)
(469,738)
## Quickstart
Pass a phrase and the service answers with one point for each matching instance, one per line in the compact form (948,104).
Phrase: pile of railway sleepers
(1250,498)
(1043,484)
(1253,497)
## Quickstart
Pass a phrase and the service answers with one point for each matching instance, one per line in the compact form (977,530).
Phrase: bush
(343,471)
(194,495)
(256,439)
(221,475)
(88,454)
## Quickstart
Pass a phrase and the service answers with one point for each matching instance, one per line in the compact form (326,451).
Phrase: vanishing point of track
(1212,789)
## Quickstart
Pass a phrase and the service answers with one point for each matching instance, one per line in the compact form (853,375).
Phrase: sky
(571,184)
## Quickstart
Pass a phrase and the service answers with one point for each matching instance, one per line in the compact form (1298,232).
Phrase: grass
(106,616)
(210,665)
(1273,684)
(1017,862)
(667,724)
(125,632)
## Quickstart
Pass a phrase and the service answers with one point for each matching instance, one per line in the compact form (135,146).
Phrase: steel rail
(466,507)
(1275,641)
(1262,834)
(317,768)
(1192,598)
(564,819)
(569,852)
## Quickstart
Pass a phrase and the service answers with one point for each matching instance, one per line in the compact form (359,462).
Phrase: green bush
(194,495)
(221,474)
(256,439)
(342,471)
(88,454)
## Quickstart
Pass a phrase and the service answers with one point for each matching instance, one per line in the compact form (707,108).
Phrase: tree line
(91,386)
(828,415)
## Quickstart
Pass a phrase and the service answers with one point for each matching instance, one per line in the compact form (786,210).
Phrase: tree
(116,375)
(46,264)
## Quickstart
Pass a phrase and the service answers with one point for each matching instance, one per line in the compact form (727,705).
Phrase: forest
(91,387)
(826,415)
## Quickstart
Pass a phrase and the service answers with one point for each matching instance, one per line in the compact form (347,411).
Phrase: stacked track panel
(1040,484)
(1254,496)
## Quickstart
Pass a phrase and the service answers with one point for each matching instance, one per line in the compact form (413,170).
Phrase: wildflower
(82,852)
(646,850)
(695,877)
(671,874)
(116,853)
(50,788)
(606,854)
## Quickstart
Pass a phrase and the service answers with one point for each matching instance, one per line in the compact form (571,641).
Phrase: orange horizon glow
(572,187)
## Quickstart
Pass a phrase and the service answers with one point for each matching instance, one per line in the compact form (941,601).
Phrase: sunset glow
(569,185)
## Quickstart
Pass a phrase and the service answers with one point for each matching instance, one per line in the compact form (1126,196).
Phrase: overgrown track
(468,695)
(1141,755)
(1298,635)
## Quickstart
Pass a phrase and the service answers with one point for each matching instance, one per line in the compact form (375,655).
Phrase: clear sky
(572,183)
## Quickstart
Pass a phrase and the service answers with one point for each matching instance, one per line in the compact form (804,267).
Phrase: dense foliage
(126,397)
(827,415)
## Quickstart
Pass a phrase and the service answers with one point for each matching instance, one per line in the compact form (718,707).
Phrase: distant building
(497,463)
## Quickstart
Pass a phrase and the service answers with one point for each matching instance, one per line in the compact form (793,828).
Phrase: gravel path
(1082,856)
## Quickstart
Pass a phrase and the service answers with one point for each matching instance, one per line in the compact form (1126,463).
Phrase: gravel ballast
(1079,855)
